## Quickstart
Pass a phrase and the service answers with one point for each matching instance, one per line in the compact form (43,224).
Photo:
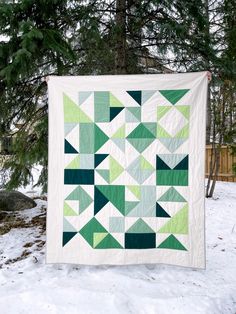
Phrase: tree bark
(208,122)
(207,62)
(120,49)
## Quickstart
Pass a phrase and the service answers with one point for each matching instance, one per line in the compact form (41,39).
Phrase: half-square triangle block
(173,95)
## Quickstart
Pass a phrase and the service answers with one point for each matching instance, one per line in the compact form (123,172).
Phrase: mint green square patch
(86,161)
(117,224)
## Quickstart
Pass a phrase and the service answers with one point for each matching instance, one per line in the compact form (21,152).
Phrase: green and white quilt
(126,169)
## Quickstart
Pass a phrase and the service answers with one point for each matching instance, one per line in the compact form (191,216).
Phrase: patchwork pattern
(126,183)
(172,169)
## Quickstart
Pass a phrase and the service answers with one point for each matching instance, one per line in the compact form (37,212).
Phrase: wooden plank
(225,166)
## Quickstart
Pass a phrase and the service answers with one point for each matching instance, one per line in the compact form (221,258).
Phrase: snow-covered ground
(27,285)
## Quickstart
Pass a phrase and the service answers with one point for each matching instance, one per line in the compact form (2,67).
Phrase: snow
(31,286)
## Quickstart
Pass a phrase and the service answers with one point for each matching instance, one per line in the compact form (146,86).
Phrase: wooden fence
(226,164)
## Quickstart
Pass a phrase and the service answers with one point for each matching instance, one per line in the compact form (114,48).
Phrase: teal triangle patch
(173,95)
(140,226)
(172,243)
(171,195)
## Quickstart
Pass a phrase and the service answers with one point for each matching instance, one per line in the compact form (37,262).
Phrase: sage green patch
(101,107)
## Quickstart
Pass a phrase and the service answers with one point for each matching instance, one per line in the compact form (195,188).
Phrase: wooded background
(61,37)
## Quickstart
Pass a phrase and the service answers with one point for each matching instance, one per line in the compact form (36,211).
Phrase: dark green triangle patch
(141,132)
(114,111)
(67,236)
(109,242)
(99,158)
(173,95)
(69,149)
(172,243)
(160,212)
(99,200)
(115,194)
(160,164)
(136,95)
(183,164)
(93,226)
(100,138)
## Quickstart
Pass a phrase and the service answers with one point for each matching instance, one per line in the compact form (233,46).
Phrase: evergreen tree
(36,42)
(69,37)
(223,90)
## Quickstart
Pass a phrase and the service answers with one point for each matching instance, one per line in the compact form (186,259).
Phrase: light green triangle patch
(184,132)
(178,223)
(114,102)
(91,227)
(173,95)
(171,195)
(105,174)
(83,118)
(136,190)
(162,110)
(115,169)
(140,226)
(120,133)
(98,237)
(73,113)
(130,206)
(161,132)
(71,110)
(145,164)
(185,110)
(68,211)
(74,164)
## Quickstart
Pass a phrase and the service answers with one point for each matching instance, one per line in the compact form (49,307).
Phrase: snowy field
(27,285)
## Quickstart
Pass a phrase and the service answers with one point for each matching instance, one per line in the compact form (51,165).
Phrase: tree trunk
(213,155)
(215,158)
(120,49)
(207,64)
(217,165)
(208,122)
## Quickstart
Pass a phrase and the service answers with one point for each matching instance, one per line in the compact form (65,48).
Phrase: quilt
(126,169)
